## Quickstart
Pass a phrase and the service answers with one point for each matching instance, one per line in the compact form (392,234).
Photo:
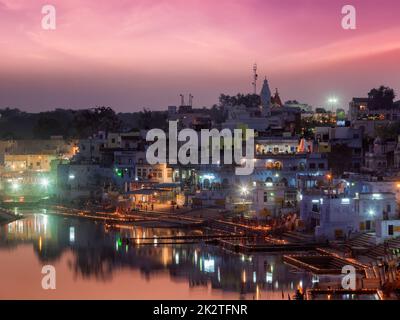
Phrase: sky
(131,54)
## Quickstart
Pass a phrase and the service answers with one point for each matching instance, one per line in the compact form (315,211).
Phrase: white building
(337,216)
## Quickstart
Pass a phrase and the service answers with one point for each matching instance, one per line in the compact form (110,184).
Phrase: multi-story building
(28,162)
(105,161)
(359,110)
(327,138)
(368,120)
(336,215)
(189,117)
(380,158)
(30,166)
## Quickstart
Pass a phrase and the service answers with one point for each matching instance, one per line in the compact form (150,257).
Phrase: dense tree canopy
(381,98)
(249,100)
(89,121)
(17,124)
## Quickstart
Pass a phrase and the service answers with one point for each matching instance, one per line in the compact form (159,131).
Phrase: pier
(319,264)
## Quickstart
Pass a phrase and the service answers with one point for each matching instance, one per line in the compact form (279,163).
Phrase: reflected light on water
(90,259)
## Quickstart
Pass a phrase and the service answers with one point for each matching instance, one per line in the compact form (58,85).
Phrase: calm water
(92,263)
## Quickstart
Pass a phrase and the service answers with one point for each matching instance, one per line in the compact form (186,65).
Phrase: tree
(381,98)
(320,110)
(218,113)
(152,119)
(249,100)
(46,127)
(90,121)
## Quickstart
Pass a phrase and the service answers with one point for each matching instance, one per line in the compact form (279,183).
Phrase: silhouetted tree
(46,127)
(381,98)
(320,110)
(152,119)
(89,121)
(249,100)
(218,113)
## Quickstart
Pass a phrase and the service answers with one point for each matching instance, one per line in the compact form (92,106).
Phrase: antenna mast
(255,76)
(182,99)
(190,99)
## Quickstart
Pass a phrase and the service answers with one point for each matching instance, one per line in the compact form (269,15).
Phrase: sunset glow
(119,53)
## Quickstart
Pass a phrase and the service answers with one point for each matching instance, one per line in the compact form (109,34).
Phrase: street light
(332,101)
(15,186)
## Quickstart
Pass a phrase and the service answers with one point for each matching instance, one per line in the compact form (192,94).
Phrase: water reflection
(99,255)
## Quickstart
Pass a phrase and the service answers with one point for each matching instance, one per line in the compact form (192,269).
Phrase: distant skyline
(134,54)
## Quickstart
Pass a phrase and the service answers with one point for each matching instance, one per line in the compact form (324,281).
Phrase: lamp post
(332,102)
(244,191)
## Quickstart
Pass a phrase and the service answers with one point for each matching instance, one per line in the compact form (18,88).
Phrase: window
(277,165)
(315,207)
(390,230)
(265,196)
(321,165)
(312,165)
(388,208)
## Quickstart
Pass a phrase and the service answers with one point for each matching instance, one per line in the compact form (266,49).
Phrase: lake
(92,262)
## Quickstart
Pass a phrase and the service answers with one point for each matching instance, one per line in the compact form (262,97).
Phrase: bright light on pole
(44,182)
(15,186)
(332,102)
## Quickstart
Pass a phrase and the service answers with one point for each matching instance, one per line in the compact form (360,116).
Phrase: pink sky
(131,54)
